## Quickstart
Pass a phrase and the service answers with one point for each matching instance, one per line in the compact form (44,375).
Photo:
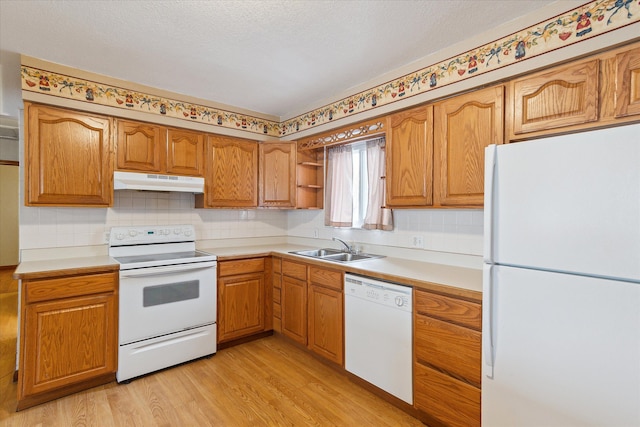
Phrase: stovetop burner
(139,247)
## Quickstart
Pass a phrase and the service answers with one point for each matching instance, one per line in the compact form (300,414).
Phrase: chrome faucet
(349,250)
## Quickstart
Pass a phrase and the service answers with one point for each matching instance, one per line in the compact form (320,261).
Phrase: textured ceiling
(274,56)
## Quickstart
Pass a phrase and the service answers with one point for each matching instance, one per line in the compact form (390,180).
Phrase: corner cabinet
(463,126)
(244,293)
(231,175)
(447,361)
(277,174)
(68,335)
(68,157)
(409,158)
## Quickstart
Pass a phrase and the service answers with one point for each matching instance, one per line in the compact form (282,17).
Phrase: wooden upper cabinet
(185,152)
(464,126)
(69,158)
(231,173)
(141,147)
(409,158)
(562,96)
(277,174)
(146,147)
(628,83)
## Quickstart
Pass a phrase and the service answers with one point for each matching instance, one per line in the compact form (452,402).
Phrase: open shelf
(310,179)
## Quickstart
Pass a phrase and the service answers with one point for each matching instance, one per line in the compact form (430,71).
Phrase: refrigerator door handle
(490,154)
(487,320)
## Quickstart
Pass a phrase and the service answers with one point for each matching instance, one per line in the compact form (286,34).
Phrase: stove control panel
(138,235)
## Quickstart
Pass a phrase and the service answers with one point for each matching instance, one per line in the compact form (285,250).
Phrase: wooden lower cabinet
(312,308)
(326,314)
(449,401)
(243,295)
(68,336)
(447,361)
(294,309)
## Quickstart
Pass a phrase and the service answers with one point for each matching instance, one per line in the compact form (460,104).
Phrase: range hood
(157,182)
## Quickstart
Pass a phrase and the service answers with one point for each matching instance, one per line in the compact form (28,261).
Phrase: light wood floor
(268,382)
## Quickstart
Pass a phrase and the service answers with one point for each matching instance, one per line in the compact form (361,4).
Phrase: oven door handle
(156,271)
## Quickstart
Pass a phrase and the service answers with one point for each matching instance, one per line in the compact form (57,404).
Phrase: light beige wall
(8,215)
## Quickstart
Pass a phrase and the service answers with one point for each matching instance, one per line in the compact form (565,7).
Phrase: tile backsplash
(65,227)
(455,231)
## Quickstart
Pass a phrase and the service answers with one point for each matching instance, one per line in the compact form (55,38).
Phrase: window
(355,186)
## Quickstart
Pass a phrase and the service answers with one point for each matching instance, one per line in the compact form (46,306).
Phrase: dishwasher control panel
(385,293)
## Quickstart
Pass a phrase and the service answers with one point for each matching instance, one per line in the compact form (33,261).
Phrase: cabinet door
(326,323)
(628,83)
(561,97)
(68,158)
(409,160)
(232,178)
(464,126)
(185,152)
(294,309)
(277,172)
(141,147)
(67,341)
(449,401)
(241,303)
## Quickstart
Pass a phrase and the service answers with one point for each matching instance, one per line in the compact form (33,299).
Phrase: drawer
(294,269)
(71,286)
(240,266)
(276,295)
(453,310)
(446,399)
(277,311)
(451,348)
(328,278)
(277,265)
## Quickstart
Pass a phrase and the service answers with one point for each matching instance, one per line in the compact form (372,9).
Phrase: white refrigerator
(561,289)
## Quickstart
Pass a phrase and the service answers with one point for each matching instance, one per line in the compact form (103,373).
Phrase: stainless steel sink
(317,253)
(335,255)
(348,257)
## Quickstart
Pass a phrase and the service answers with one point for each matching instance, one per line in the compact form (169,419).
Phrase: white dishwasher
(378,334)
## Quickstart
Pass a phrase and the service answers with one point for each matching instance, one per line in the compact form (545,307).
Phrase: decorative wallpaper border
(587,21)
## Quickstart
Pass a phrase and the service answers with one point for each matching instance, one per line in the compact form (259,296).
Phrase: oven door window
(170,293)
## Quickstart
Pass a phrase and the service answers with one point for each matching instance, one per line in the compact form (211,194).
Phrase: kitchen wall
(67,227)
(8,215)
(455,231)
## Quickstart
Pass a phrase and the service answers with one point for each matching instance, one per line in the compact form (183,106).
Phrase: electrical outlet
(418,242)
(316,233)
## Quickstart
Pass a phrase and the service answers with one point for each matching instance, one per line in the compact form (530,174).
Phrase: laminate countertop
(65,267)
(451,280)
